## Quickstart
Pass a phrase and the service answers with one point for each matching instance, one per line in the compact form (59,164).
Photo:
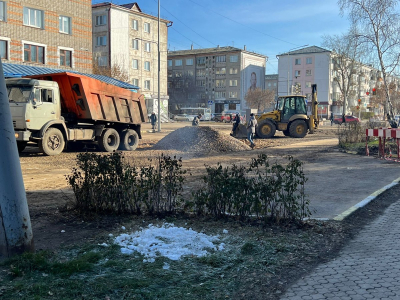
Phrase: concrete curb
(364,202)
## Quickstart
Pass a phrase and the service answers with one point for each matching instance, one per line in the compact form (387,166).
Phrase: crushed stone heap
(200,139)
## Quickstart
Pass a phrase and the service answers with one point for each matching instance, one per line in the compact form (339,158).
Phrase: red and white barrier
(383,134)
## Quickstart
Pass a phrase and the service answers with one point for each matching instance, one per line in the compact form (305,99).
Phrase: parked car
(349,119)
(183,117)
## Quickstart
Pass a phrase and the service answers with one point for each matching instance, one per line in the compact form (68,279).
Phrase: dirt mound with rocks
(202,139)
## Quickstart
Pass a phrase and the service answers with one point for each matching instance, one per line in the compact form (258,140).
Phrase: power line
(186,37)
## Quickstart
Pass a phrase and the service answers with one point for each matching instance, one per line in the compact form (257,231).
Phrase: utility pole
(159,69)
(15,224)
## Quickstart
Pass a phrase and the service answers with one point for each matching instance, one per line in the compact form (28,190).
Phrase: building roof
(271,76)
(14,70)
(306,50)
(217,49)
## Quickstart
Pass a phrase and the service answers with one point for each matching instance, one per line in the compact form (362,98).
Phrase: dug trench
(55,225)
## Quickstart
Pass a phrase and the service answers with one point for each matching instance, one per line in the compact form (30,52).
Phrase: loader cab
(291,105)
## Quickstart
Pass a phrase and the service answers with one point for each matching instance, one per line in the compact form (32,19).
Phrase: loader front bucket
(240,132)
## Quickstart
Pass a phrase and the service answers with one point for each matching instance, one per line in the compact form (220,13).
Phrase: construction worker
(196,120)
(236,124)
(153,120)
(251,130)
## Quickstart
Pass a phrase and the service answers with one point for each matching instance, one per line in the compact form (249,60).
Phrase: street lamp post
(159,68)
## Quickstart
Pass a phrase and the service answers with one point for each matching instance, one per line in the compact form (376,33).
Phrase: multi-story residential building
(218,78)
(271,83)
(47,33)
(299,69)
(126,38)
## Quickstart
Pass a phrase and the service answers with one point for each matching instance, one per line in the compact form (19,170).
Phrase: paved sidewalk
(367,268)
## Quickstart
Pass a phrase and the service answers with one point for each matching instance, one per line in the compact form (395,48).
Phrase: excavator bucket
(240,132)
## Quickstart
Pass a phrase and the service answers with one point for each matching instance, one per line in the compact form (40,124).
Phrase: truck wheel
(109,140)
(298,129)
(266,129)
(52,142)
(129,140)
(21,146)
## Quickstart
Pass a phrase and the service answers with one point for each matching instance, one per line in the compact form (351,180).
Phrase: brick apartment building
(218,78)
(126,37)
(47,33)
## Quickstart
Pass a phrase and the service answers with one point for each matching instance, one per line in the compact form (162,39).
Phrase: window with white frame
(178,62)
(221,58)
(33,17)
(135,64)
(200,83)
(308,84)
(101,40)
(233,71)
(297,73)
(147,27)
(233,58)
(135,24)
(135,81)
(308,73)
(178,74)
(219,95)
(201,72)
(189,73)
(220,83)
(297,61)
(64,24)
(189,61)
(220,71)
(65,58)
(102,61)
(147,65)
(4,49)
(147,84)
(232,94)
(201,61)
(34,53)
(135,44)
(147,47)
(233,82)
(169,62)
(309,60)
(3,11)
(101,20)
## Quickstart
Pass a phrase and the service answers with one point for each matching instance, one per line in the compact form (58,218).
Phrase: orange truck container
(68,110)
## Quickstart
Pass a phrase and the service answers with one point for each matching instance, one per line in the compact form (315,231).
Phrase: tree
(346,56)
(376,24)
(116,70)
(260,99)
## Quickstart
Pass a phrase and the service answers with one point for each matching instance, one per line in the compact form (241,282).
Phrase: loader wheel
(109,140)
(52,143)
(266,130)
(129,140)
(298,129)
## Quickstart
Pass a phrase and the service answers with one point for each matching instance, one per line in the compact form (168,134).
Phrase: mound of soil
(202,139)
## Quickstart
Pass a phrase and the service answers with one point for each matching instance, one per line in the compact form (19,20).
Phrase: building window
(3,11)
(135,24)
(65,24)
(221,58)
(101,40)
(147,27)
(189,73)
(308,72)
(189,61)
(102,61)
(65,58)
(135,44)
(220,83)
(233,82)
(135,64)
(169,62)
(297,73)
(200,83)
(201,72)
(147,65)
(33,17)
(178,62)
(309,60)
(220,71)
(135,81)
(233,58)
(297,61)
(3,49)
(147,84)
(219,95)
(232,94)
(33,53)
(201,61)
(178,74)
(308,84)
(101,20)
(147,47)
(233,71)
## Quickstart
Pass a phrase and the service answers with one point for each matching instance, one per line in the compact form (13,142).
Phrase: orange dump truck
(68,110)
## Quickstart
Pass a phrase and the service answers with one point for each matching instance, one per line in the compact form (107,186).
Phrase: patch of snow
(224,231)
(104,245)
(168,241)
(165,266)
(123,228)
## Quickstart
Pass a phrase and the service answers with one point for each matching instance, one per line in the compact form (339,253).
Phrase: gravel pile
(202,139)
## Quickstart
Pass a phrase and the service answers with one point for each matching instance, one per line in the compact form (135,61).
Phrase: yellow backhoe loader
(289,116)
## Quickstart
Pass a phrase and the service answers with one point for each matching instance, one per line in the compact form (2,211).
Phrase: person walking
(236,124)
(153,120)
(251,130)
(331,118)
